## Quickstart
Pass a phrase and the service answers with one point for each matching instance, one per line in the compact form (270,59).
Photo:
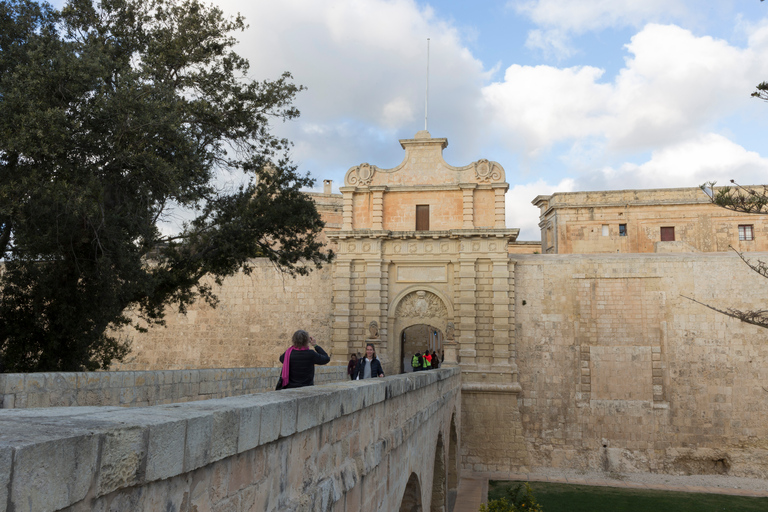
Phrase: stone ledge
(51,458)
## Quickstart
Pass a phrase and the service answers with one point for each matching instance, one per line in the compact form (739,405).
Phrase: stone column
(377,208)
(468,206)
(466,311)
(346,215)
(341,311)
(499,210)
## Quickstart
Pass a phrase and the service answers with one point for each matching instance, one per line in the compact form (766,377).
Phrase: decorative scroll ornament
(421,304)
(486,171)
(450,330)
(373,330)
(363,175)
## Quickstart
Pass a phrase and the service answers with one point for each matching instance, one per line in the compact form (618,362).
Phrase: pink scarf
(286,359)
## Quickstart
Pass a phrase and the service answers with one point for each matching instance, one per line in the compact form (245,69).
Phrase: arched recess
(411,501)
(453,466)
(417,338)
(418,304)
(438,501)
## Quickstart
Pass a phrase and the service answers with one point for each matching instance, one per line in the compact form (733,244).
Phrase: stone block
(197,446)
(6,460)
(123,453)
(53,474)
(226,427)
(166,448)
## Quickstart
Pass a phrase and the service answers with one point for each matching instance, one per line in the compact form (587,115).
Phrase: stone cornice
(509,234)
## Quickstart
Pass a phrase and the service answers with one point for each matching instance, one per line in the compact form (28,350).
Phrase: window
(422,217)
(668,234)
(622,230)
(745,232)
(605,229)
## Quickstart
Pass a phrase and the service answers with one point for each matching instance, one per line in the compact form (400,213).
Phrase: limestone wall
(349,446)
(142,388)
(251,327)
(620,372)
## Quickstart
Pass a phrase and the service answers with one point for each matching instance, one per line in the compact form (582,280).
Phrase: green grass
(582,498)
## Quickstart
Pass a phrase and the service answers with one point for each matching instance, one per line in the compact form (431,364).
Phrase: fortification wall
(142,388)
(251,326)
(619,371)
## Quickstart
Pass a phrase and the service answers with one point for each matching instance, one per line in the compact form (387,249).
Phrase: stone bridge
(381,444)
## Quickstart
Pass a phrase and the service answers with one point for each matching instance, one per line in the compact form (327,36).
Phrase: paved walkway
(473,488)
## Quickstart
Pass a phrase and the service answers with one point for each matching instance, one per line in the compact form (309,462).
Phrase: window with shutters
(422,217)
(668,234)
(745,232)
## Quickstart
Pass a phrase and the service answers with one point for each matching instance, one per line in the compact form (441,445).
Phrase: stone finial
(422,134)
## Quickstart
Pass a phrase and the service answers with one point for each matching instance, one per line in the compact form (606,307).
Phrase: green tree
(115,116)
(752,200)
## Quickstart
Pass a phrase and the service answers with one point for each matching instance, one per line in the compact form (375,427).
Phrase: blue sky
(577,95)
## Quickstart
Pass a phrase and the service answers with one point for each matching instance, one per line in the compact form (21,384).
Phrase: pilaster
(346,212)
(499,206)
(468,204)
(466,302)
(341,311)
(377,208)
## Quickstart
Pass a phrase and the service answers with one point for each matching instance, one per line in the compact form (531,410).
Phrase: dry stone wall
(619,371)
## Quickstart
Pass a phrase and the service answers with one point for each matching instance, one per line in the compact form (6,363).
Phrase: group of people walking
(426,361)
(300,359)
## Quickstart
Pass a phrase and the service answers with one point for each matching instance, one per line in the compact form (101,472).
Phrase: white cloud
(672,86)
(520,213)
(586,15)
(687,164)
(559,20)
(364,63)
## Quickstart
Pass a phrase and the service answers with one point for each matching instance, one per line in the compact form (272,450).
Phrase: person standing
(416,362)
(299,361)
(435,360)
(369,366)
(427,360)
(351,366)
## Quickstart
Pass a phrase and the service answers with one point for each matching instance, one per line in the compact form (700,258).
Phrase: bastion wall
(619,371)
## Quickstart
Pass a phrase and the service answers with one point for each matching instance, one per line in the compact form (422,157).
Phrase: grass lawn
(582,498)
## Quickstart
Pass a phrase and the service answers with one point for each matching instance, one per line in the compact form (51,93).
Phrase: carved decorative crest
(486,171)
(363,175)
(421,304)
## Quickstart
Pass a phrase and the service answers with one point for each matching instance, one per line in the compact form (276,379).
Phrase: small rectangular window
(605,229)
(668,234)
(745,232)
(422,217)
(622,230)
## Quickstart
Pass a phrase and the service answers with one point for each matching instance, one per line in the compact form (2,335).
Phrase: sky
(566,96)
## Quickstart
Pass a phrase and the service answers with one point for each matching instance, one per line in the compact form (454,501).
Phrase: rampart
(364,445)
(619,371)
(142,388)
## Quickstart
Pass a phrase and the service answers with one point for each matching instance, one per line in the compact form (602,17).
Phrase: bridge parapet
(142,388)
(351,445)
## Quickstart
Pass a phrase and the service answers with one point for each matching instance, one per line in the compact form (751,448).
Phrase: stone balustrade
(345,446)
(141,388)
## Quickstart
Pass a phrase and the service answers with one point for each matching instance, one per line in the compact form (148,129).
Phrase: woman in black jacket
(369,366)
(299,361)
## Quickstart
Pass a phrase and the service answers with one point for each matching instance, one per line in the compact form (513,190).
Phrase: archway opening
(416,339)
(438,478)
(453,471)
(411,501)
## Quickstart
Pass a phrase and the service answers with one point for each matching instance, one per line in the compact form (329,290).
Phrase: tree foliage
(741,199)
(115,116)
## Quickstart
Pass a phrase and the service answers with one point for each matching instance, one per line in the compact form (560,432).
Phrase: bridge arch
(411,501)
(438,501)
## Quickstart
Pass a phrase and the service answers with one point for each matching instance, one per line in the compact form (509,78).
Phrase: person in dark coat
(435,360)
(299,361)
(351,366)
(369,366)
